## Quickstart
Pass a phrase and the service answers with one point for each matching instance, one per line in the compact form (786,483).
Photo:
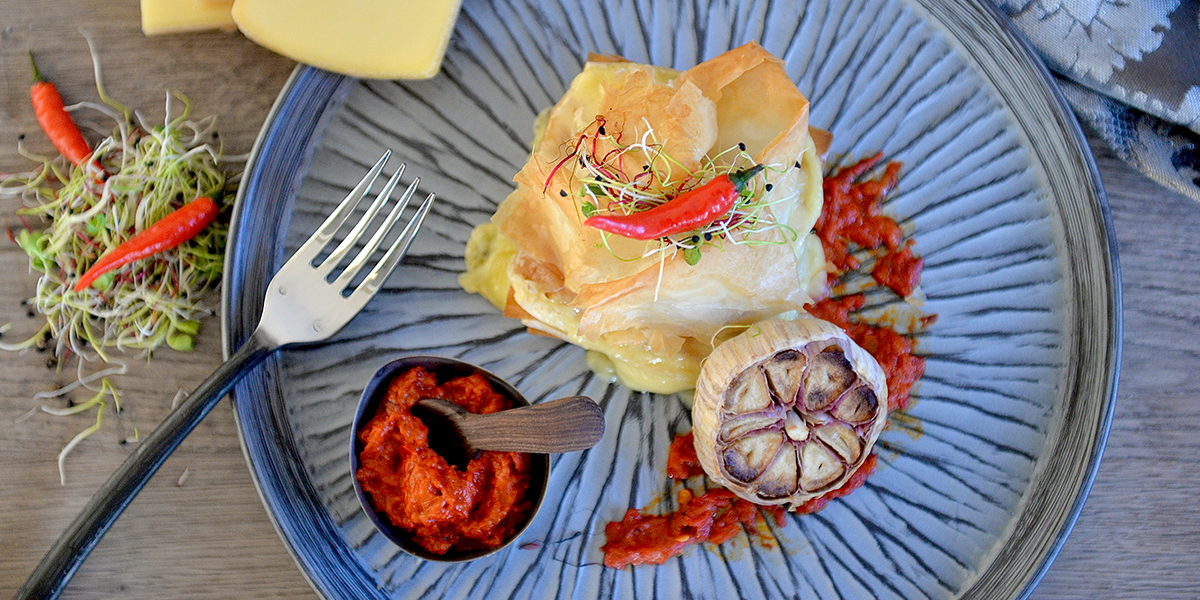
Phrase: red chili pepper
(54,119)
(166,233)
(690,210)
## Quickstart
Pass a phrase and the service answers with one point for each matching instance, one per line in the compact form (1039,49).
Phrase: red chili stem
(560,163)
(596,141)
(688,211)
(170,231)
(583,137)
(54,119)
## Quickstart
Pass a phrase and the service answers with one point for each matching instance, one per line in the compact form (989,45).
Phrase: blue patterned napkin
(1131,71)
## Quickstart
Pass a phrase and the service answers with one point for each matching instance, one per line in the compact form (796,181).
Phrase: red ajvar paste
(899,269)
(851,216)
(715,516)
(852,213)
(444,508)
(682,461)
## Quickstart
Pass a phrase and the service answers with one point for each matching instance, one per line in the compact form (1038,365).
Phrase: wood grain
(210,537)
(561,425)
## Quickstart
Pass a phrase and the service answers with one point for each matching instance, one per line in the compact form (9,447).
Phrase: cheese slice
(377,39)
(174,16)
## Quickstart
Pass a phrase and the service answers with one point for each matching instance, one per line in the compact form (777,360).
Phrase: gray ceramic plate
(971,501)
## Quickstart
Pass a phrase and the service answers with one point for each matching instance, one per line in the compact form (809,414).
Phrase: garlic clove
(752,454)
(783,373)
(748,393)
(779,480)
(856,406)
(828,377)
(795,426)
(842,440)
(738,427)
(820,467)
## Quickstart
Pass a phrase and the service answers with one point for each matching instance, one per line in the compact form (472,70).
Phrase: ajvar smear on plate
(443,507)
(715,516)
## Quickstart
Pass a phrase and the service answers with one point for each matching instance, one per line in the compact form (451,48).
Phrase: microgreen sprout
(106,389)
(150,171)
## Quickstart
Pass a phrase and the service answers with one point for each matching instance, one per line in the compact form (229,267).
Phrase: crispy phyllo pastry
(660,213)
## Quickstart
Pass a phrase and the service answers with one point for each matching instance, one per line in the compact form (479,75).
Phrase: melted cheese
(488,254)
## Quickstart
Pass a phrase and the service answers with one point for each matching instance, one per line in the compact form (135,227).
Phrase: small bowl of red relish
(425,505)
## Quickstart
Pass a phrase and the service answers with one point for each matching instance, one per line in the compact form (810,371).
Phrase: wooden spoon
(562,425)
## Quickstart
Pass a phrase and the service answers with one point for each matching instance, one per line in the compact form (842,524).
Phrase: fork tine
(372,245)
(312,247)
(395,254)
(356,233)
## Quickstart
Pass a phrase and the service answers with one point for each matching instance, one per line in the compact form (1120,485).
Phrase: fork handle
(51,575)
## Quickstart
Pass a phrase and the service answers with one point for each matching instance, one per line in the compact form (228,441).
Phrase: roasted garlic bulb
(787,411)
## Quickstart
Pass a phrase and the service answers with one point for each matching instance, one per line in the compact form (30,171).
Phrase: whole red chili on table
(166,233)
(54,119)
(686,212)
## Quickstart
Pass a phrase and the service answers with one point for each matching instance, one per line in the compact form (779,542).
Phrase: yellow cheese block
(174,16)
(377,39)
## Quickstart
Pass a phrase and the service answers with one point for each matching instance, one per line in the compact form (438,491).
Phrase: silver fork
(302,306)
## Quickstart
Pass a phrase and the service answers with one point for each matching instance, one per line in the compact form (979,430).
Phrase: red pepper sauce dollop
(715,516)
(444,508)
(852,215)
(899,269)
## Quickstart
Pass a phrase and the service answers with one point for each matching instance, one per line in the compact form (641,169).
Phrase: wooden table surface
(210,537)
